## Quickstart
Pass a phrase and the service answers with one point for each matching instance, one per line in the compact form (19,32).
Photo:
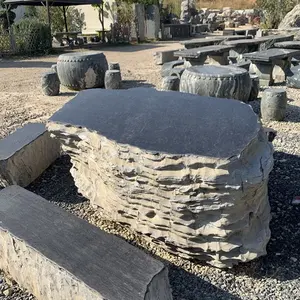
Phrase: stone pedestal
(264,70)
(180,168)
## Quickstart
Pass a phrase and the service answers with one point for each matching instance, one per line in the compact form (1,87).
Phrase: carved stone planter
(82,70)
(182,169)
(217,81)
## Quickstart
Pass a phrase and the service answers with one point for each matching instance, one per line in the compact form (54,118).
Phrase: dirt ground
(21,96)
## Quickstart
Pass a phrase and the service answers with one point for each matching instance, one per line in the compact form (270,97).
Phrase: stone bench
(288,45)
(264,63)
(216,55)
(162,57)
(26,154)
(55,255)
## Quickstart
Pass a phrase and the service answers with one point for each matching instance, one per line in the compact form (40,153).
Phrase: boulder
(292,19)
(293,77)
(191,172)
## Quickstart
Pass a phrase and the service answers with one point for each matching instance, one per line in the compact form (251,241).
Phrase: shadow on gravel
(283,259)
(25,64)
(128,84)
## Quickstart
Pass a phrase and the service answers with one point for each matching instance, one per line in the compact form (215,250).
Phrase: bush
(32,36)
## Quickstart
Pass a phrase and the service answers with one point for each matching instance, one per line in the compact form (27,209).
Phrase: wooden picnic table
(202,42)
(216,54)
(271,63)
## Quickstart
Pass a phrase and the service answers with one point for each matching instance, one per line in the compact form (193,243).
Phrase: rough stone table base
(264,70)
(193,179)
(57,256)
(26,154)
(217,60)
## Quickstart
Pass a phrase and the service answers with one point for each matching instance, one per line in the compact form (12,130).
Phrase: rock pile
(292,19)
(191,172)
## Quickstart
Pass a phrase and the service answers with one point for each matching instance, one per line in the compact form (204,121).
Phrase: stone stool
(113,79)
(50,83)
(54,68)
(170,83)
(273,105)
(217,81)
(114,66)
(254,87)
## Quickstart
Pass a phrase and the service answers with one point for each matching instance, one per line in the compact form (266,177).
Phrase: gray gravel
(275,276)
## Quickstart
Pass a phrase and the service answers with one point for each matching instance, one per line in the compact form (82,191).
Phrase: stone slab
(138,117)
(288,45)
(56,255)
(197,52)
(26,154)
(162,57)
(271,54)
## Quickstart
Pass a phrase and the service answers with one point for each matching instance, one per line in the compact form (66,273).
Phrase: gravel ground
(275,276)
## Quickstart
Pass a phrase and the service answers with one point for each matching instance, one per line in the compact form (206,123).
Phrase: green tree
(7,16)
(275,10)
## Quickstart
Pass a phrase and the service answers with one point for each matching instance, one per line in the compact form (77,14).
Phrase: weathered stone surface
(82,70)
(54,68)
(114,66)
(50,83)
(113,79)
(217,81)
(56,255)
(165,70)
(273,104)
(162,57)
(293,78)
(292,19)
(181,168)
(26,154)
(170,83)
(255,86)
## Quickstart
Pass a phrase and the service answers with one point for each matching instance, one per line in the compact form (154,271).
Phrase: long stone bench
(161,57)
(55,255)
(26,154)
(216,54)
(264,62)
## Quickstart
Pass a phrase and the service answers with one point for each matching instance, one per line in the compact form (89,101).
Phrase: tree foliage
(275,10)
(4,22)
(75,18)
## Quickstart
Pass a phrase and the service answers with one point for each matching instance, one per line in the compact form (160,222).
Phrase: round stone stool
(50,83)
(273,104)
(217,81)
(113,79)
(82,70)
(170,83)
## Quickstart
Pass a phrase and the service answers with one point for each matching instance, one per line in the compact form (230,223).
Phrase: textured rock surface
(114,66)
(217,81)
(26,154)
(255,86)
(292,19)
(113,79)
(162,57)
(170,83)
(50,83)
(273,104)
(165,70)
(293,78)
(82,70)
(183,169)
(73,261)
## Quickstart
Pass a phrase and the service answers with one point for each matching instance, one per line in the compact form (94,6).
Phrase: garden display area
(152,171)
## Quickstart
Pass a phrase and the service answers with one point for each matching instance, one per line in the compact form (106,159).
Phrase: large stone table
(216,55)
(264,63)
(191,172)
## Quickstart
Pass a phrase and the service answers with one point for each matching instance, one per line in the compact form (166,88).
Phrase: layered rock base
(26,154)
(56,255)
(191,172)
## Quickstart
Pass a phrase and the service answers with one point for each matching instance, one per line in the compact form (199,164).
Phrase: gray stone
(54,68)
(170,83)
(113,79)
(273,105)
(292,19)
(255,87)
(162,57)
(26,154)
(288,45)
(180,168)
(50,83)
(165,70)
(114,66)
(293,78)
(55,255)
(176,72)
(217,81)
(82,70)
(152,21)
